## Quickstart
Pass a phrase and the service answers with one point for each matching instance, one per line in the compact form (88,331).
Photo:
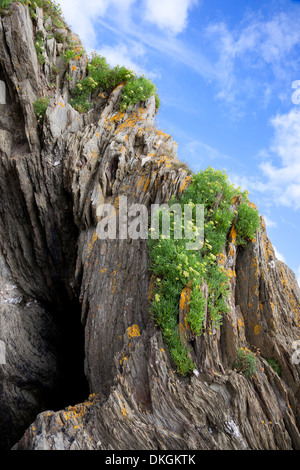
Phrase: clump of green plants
(275,365)
(247,222)
(101,77)
(245,362)
(138,89)
(59,37)
(50,8)
(39,47)
(73,50)
(69,55)
(183,166)
(40,107)
(174,266)
(4,5)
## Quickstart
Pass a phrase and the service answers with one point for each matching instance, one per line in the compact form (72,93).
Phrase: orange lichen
(124,358)
(257,329)
(141,181)
(221,259)
(184,308)
(124,411)
(185,298)
(117,117)
(233,233)
(146,184)
(231,273)
(131,121)
(185,184)
(91,244)
(151,288)
(133,331)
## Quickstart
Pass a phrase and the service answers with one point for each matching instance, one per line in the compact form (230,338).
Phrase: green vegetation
(39,47)
(59,37)
(40,107)
(182,165)
(275,365)
(247,223)
(51,9)
(74,50)
(175,267)
(4,5)
(245,362)
(101,77)
(136,89)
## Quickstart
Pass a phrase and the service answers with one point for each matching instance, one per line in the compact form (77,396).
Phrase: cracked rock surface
(55,271)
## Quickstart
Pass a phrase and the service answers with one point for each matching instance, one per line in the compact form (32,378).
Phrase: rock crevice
(73,302)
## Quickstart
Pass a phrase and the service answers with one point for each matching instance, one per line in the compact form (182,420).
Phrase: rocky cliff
(86,366)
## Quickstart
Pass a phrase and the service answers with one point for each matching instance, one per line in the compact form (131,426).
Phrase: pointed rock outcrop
(56,272)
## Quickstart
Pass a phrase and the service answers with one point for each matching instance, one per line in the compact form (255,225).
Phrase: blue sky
(228,76)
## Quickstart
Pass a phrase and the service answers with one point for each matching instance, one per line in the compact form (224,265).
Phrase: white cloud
(260,46)
(123,55)
(130,21)
(269,222)
(170,15)
(130,55)
(278,255)
(83,16)
(283,178)
(279,171)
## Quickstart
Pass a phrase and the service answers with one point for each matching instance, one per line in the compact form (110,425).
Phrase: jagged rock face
(56,273)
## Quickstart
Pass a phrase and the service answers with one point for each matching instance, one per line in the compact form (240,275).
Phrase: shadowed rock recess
(86,366)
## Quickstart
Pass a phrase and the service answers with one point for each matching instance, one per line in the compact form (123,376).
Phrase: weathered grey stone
(57,273)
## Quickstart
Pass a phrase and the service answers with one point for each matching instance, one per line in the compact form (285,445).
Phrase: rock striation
(86,367)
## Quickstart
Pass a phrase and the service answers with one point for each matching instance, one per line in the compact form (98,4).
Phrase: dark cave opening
(72,385)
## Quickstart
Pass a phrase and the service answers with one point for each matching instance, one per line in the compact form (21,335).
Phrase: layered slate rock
(57,272)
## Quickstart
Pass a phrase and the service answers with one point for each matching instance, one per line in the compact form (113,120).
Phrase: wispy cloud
(169,15)
(83,17)
(202,154)
(277,180)
(131,55)
(279,255)
(269,222)
(133,21)
(260,45)
(283,177)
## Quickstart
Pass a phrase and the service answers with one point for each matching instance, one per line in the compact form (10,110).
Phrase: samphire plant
(275,365)
(50,8)
(40,107)
(101,77)
(175,267)
(245,362)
